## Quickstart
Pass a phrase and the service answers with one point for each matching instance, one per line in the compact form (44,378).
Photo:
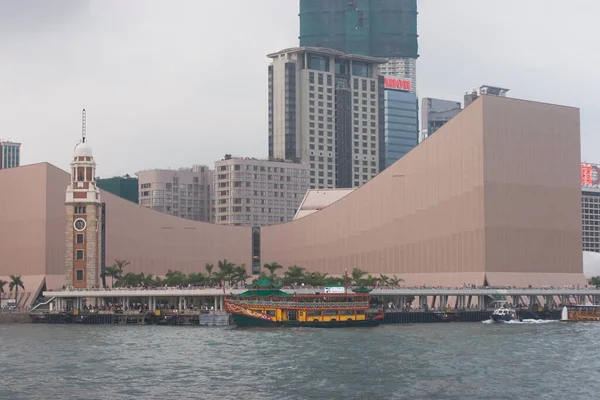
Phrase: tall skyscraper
(435,113)
(401,129)
(377,28)
(10,154)
(184,193)
(326,110)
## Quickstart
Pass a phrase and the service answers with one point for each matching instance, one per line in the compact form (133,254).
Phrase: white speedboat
(504,314)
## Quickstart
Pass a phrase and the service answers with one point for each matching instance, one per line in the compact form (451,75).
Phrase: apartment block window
(79,238)
(79,254)
(79,275)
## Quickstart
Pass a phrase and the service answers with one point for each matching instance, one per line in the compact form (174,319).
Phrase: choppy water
(431,361)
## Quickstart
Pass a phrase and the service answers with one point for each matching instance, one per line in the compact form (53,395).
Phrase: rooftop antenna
(83,126)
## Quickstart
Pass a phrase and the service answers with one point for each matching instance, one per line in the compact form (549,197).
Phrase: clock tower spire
(83,212)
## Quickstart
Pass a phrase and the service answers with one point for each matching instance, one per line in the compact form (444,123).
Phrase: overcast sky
(171,84)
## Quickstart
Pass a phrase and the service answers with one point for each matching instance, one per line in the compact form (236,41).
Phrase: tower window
(79,254)
(80,210)
(80,238)
(79,275)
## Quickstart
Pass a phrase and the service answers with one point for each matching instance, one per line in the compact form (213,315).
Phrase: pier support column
(549,301)
(481,302)
(515,301)
(222,305)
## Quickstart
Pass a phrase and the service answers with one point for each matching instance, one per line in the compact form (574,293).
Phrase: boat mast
(345,281)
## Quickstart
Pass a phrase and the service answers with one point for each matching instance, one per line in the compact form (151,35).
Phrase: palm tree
(2,284)
(209,271)
(121,264)
(240,275)
(114,273)
(357,275)
(175,278)
(272,268)
(394,280)
(225,270)
(369,280)
(384,279)
(16,283)
(294,274)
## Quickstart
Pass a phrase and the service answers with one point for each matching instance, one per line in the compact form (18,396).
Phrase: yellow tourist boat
(265,305)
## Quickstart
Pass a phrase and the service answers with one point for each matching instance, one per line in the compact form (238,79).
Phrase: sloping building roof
(317,199)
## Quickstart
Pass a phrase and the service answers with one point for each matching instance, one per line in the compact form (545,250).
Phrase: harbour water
(529,360)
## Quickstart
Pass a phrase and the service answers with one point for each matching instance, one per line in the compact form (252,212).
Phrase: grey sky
(171,84)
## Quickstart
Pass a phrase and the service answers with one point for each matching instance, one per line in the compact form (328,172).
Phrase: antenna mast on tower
(83,126)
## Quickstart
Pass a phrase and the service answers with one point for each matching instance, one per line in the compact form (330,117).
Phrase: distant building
(251,192)
(435,113)
(326,110)
(401,120)
(126,187)
(590,207)
(471,96)
(184,193)
(10,154)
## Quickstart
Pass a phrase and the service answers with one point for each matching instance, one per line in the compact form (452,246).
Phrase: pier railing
(301,304)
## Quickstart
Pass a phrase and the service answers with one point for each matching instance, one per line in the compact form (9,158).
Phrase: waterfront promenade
(412,298)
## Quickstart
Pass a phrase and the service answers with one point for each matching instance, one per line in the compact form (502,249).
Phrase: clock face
(79,224)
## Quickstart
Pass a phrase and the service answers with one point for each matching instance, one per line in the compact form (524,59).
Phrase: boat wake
(525,321)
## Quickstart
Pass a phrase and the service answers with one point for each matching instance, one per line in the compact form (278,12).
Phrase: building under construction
(379,28)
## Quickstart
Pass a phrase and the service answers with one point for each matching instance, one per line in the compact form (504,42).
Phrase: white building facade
(251,192)
(184,193)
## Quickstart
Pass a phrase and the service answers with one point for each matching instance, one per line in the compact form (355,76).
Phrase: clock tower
(82,227)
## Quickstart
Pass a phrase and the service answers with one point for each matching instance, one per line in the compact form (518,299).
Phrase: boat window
(330,312)
(271,313)
(346,312)
(313,313)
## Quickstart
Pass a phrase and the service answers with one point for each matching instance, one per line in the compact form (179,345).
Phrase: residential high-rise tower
(326,110)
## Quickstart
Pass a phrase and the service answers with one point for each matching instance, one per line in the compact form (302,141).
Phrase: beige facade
(493,197)
(184,193)
(251,192)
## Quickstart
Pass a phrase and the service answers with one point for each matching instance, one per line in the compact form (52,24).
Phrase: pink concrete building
(493,197)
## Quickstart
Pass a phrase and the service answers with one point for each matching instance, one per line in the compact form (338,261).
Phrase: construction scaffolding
(380,28)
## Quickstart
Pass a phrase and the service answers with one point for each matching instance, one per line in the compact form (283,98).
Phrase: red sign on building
(393,83)
(590,174)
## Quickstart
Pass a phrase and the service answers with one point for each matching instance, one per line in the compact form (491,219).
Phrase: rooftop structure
(317,199)
(471,96)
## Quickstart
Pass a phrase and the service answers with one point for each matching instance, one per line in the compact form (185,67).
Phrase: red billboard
(590,174)
(394,83)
